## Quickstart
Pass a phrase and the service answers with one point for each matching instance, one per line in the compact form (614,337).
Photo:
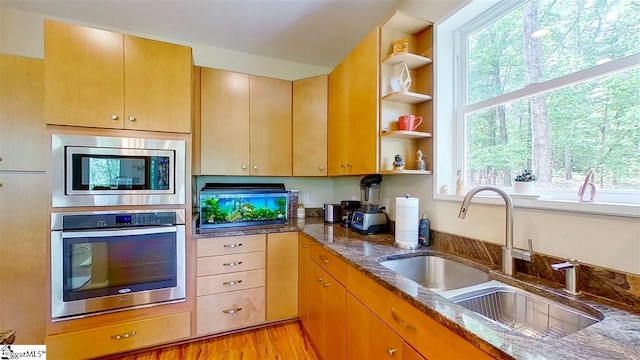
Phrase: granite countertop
(617,336)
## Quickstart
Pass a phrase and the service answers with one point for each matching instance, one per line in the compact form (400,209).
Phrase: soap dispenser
(423,230)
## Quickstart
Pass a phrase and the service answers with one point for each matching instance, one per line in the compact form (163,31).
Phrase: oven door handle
(127,232)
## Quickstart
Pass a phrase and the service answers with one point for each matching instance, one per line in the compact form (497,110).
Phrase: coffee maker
(369,218)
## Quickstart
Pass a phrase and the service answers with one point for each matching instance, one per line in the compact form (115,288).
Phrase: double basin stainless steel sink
(510,307)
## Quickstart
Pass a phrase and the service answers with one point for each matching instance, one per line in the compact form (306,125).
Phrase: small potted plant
(523,184)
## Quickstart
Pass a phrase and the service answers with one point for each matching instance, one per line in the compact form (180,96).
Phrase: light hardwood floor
(283,342)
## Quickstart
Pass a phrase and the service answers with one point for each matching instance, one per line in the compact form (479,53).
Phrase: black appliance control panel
(117,220)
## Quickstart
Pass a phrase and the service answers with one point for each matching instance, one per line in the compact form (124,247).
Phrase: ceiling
(314,32)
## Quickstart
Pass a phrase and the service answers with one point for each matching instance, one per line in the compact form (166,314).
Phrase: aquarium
(226,205)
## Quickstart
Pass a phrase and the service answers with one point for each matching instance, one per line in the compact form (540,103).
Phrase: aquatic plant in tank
(239,209)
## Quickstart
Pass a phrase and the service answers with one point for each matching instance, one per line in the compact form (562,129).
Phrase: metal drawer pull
(320,278)
(123,336)
(232,245)
(391,351)
(402,323)
(231,283)
(326,285)
(232,263)
(326,261)
(305,246)
(232,311)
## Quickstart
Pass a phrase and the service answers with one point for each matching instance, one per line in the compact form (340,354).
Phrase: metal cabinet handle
(232,311)
(320,279)
(305,246)
(113,117)
(326,261)
(255,167)
(390,352)
(123,336)
(232,245)
(244,167)
(231,283)
(232,263)
(321,168)
(326,285)
(403,323)
(132,118)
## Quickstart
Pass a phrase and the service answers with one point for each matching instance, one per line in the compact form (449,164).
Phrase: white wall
(22,33)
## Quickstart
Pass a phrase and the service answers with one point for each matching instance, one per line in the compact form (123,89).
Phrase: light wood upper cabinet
(282,276)
(310,126)
(353,111)
(224,125)
(363,105)
(270,126)
(157,85)
(97,78)
(23,139)
(338,120)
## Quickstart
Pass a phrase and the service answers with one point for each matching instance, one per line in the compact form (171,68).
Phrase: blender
(369,218)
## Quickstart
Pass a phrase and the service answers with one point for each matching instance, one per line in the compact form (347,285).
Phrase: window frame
(450,107)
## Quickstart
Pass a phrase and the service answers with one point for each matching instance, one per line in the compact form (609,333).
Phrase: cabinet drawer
(430,338)
(214,284)
(230,263)
(231,245)
(117,338)
(335,266)
(230,310)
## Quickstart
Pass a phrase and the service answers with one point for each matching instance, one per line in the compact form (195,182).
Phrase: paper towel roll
(407,221)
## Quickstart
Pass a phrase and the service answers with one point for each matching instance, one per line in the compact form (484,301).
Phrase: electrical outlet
(306,198)
(385,205)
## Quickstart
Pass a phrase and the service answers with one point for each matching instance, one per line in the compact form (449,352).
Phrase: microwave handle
(128,232)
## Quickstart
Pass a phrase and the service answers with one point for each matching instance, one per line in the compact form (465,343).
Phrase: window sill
(596,208)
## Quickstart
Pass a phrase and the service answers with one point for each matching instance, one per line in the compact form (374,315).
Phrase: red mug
(408,122)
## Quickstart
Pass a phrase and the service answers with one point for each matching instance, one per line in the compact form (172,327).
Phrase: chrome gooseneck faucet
(509,254)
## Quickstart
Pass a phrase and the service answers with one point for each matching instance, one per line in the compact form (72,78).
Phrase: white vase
(523,188)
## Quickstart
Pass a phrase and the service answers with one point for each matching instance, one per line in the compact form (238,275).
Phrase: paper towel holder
(407,246)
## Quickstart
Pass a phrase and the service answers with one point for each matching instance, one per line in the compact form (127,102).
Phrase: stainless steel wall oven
(107,171)
(113,260)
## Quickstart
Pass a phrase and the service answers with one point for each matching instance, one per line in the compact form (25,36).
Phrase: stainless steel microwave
(107,171)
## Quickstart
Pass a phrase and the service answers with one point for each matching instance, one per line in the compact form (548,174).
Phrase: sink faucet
(509,254)
(571,283)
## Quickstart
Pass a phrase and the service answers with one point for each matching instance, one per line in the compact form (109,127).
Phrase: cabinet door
(367,336)
(270,126)
(282,276)
(338,120)
(363,105)
(303,280)
(157,85)
(23,236)
(84,76)
(224,126)
(335,320)
(310,126)
(317,299)
(23,138)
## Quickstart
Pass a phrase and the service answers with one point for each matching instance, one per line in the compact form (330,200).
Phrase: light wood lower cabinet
(282,276)
(327,313)
(427,336)
(303,280)
(368,337)
(118,338)
(230,310)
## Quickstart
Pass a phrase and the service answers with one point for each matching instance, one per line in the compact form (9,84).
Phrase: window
(550,85)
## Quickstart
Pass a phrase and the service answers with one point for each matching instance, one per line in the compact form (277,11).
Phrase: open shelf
(404,134)
(407,97)
(406,172)
(413,61)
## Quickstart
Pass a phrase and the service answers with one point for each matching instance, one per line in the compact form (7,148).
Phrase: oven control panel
(117,220)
